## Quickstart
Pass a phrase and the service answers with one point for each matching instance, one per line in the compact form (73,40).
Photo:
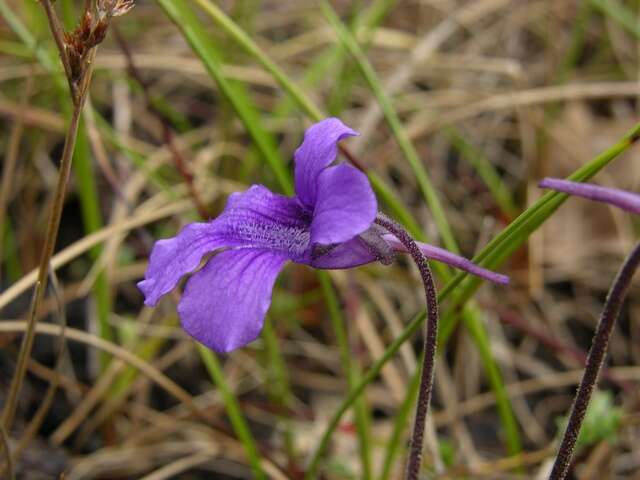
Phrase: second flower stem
(595,360)
(430,344)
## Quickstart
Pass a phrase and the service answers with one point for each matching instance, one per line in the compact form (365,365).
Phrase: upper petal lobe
(224,304)
(318,149)
(345,206)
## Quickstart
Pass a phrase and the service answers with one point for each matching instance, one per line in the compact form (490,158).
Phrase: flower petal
(625,200)
(369,246)
(444,256)
(259,218)
(345,206)
(318,149)
(224,304)
(174,257)
(256,218)
(352,253)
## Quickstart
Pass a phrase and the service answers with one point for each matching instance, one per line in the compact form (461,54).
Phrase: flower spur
(328,224)
(625,200)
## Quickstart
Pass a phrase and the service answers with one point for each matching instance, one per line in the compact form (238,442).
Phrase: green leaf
(205,47)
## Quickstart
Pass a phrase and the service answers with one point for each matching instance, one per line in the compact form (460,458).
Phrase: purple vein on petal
(444,256)
(625,200)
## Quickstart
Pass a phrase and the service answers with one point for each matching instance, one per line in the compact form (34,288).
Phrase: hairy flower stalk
(430,344)
(77,49)
(595,360)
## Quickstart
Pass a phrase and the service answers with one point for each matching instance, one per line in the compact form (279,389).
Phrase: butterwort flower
(328,224)
(625,200)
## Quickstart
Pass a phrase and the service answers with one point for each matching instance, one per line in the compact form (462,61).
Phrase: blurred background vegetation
(463,106)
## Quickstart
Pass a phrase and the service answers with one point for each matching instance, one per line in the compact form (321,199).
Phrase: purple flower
(328,224)
(625,200)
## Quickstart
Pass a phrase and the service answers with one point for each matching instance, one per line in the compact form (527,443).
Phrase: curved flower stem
(430,344)
(595,360)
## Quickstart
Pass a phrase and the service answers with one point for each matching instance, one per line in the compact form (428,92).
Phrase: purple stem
(444,256)
(595,360)
(625,200)
(430,343)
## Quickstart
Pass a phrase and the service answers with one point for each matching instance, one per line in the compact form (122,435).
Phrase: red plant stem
(595,360)
(430,344)
(352,158)
(168,137)
(557,345)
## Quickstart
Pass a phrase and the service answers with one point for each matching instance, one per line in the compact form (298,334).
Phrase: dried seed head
(114,8)
(83,31)
(77,43)
(91,32)
(100,31)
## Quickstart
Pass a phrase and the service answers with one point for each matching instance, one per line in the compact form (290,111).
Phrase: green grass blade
(374,15)
(398,131)
(485,171)
(278,384)
(362,27)
(87,192)
(298,96)
(146,349)
(512,237)
(50,63)
(526,224)
(239,424)
(203,45)
(92,222)
(620,14)
(360,409)
(250,47)
(473,324)
(400,424)
(70,14)
(302,100)
(46,58)
(431,197)
(90,208)
(368,377)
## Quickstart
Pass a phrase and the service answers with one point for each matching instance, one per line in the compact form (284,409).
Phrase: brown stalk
(79,90)
(352,158)
(58,36)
